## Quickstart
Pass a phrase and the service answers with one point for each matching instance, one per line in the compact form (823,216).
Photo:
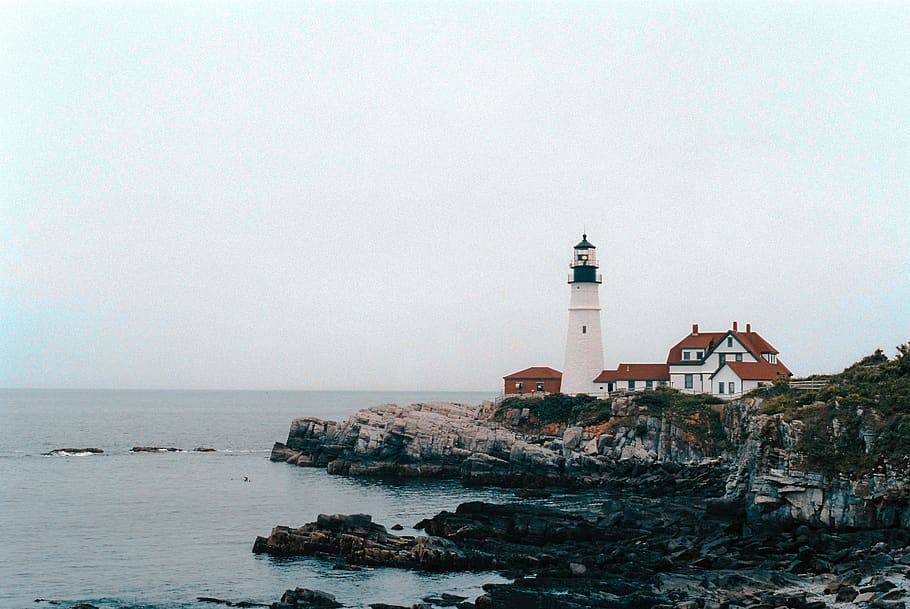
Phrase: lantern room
(584,263)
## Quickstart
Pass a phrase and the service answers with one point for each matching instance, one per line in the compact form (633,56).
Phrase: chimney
(748,328)
(694,328)
(735,328)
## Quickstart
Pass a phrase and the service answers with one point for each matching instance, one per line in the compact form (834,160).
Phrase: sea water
(123,529)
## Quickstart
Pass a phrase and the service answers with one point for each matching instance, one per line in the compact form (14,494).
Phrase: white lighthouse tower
(584,345)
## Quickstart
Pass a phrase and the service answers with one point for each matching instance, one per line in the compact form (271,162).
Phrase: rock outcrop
(757,454)
(73,452)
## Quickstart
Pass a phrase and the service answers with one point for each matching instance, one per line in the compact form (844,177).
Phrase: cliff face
(758,454)
(770,475)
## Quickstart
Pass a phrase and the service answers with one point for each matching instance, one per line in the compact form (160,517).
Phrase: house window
(631,384)
(584,329)
(720,388)
(699,355)
(518,387)
(721,359)
(649,384)
(739,357)
(539,386)
(730,387)
(729,341)
(688,378)
(685,355)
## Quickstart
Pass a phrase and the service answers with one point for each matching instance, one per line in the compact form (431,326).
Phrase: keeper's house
(726,364)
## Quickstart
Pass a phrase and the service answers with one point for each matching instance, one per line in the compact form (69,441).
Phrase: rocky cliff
(768,463)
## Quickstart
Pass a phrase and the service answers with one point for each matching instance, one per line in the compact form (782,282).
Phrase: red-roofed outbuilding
(536,379)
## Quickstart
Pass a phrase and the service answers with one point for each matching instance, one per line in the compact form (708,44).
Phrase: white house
(736,378)
(725,364)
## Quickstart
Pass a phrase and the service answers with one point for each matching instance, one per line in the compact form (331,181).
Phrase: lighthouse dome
(585,244)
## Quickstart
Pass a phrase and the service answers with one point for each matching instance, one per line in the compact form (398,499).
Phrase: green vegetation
(693,413)
(859,421)
(561,408)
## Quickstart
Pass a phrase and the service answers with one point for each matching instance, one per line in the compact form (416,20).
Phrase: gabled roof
(636,372)
(534,373)
(757,371)
(752,341)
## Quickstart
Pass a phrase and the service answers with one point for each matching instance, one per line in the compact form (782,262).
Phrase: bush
(561,408)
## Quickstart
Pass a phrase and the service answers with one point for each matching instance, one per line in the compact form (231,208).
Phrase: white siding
(584,344)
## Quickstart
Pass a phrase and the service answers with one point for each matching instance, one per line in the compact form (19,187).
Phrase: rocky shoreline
(482,446)
(676,518)
(629,552)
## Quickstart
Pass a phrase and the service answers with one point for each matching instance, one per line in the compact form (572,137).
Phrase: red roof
(758,371)
(534,373)
(636,372)
(755,344)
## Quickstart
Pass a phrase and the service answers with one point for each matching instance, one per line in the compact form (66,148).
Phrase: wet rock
(204,449)
(304,598)
(69,452)
(154,449)
(846,594)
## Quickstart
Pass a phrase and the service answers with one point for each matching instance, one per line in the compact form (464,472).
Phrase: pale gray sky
(385,195)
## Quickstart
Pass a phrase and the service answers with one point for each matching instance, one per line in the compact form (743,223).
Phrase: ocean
(158,530)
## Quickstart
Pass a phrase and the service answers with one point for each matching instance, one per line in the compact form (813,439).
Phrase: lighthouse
(584,345)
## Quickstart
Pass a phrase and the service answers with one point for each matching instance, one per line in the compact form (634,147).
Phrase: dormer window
(699,355)
(685,355)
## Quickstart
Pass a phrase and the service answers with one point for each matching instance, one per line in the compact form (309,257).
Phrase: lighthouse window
(584,329)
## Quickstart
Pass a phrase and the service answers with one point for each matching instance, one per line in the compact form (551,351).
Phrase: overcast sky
(385,195)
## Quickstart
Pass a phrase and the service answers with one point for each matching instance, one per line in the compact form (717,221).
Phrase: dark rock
(154,449)
(304,598)
(846,594)
(64,452)
(82,606)
(204,449)
(397,527)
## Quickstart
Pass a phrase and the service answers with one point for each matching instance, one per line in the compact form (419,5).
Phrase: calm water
(158,530)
